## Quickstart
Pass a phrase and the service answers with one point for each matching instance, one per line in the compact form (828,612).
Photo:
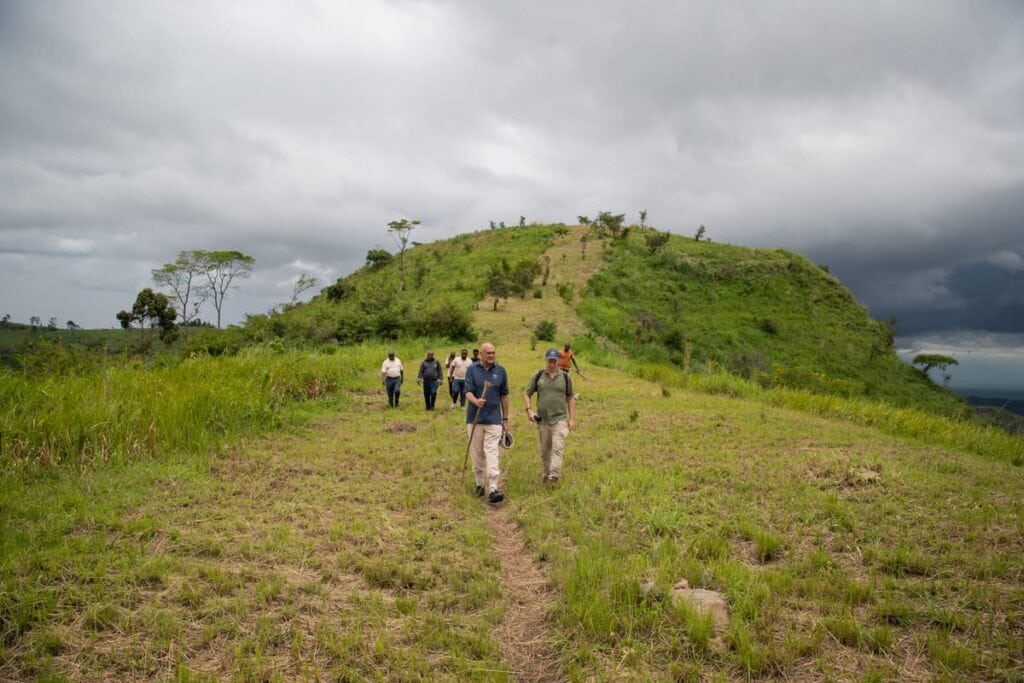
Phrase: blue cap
(552,354)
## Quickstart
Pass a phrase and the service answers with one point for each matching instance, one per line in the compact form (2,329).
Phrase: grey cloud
(886,140)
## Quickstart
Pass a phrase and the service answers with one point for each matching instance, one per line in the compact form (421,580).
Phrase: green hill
(264,516)
(767,315)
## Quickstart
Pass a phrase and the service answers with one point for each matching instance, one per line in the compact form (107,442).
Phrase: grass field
(340,540)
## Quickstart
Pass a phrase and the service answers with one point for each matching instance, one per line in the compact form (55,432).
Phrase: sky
(884,140)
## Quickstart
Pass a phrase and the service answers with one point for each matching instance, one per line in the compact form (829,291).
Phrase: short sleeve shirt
(392,368)
(476,375)
(552,393)
(459,367)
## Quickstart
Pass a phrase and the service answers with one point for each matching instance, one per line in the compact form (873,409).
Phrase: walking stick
(472,430)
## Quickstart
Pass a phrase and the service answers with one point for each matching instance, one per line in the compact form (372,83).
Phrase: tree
(700,233)
(933,360)
(221,268)
(400,231)
(378,258)
(305,281)
(522,221)
(71,325)
(584,220)
(643,217)
(499,282)
(35,321)
(610,223)
(51,324)
(150,310)
(185,280)
(522,277)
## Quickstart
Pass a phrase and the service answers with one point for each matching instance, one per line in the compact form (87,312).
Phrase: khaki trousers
(552,448)
(483,449)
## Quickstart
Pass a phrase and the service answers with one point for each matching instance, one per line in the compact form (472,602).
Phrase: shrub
(445,320)
(565,290)
(545,330)
(214,342)
(748,364)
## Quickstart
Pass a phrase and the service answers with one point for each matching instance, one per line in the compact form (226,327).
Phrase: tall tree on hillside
(185,280)
(151,310)
(71,325)
(643,217)
(35,321)
(221,268)
(400,231)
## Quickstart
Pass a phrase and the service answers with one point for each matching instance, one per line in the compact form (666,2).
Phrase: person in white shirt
(391,375)
(457,371)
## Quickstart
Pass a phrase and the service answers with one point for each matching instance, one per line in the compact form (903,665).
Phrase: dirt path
(525,635)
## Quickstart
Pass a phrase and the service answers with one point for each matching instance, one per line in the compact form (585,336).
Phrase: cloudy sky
(882,139)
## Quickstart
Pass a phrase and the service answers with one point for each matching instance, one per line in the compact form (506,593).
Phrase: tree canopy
(151,310)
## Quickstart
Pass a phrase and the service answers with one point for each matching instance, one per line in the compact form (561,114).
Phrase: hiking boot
(479,491)
(552,481)
(495,497)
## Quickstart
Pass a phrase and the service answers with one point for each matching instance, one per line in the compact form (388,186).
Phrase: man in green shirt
(555,416)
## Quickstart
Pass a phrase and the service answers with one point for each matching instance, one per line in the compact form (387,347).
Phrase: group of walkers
(480,384)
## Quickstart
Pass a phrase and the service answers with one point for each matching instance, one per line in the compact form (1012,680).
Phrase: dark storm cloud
(885,140)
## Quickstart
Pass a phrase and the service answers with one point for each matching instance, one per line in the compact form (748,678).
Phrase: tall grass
(132,410)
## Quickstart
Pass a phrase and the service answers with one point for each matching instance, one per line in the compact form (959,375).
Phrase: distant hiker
(476,357)
(486,419)
(555,416)
(448,374)
(567,357)
(391,375)
(457,372)
(430,376)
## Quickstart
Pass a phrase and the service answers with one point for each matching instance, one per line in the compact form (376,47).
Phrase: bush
(214,342)
(545,330)
(748,364)
(445,320)
(565,290)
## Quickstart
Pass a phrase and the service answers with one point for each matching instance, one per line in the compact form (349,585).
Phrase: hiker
(448,374)
(430,377)
(555,416)
(476,357)
(486,419)
(457,373)
(565,357)
(391,376)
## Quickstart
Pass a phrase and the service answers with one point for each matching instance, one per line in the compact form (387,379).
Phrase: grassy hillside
(443,282)
(353,548)
(768,315)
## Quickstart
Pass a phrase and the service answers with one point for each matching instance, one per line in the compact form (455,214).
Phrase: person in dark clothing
(430,377)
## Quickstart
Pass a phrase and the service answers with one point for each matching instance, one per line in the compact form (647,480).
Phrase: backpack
(565,376)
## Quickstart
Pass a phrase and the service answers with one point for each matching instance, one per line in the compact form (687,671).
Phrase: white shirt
(459,367)
(392,368)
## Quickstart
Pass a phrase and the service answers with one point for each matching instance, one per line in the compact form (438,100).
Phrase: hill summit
(766,315)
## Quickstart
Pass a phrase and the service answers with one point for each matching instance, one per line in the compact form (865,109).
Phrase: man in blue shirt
(486,418)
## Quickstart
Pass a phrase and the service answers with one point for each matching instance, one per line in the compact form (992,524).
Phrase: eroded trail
(525,635)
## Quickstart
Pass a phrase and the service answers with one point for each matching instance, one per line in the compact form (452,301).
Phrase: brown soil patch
(399,427)
(525,634)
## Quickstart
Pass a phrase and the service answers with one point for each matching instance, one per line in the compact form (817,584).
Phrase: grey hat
(552,354)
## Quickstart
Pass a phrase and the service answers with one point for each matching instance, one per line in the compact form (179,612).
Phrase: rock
(704,601)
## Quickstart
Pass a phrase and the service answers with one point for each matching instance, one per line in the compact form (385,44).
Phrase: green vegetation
(445,281)
(237,509)
(767,315)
